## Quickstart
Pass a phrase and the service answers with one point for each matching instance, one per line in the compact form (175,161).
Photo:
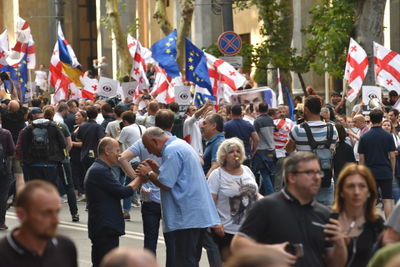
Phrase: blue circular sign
(229,43)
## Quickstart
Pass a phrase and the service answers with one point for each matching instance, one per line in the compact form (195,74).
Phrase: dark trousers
(188,243)
(213,253)
(101,246)
(65,173)
(46,173)
(4,187)
(78,175)
(151,216)
(224,244)
(86,163)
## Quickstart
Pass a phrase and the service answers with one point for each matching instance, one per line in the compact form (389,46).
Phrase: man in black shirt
(36,243)
(293,217)
(90,134)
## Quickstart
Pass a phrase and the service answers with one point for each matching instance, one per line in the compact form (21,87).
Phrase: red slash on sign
(229,43)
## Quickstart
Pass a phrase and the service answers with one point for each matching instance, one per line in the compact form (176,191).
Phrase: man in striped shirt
(283,126)
(298,141)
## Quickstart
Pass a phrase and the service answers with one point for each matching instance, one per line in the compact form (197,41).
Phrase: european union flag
(19,75)
(201,96)
(196,66)
(164,52)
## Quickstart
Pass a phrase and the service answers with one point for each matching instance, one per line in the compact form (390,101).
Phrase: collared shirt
(188,203)
(376,144)
(59,251)
(210,151)
(139,150)
(280,217)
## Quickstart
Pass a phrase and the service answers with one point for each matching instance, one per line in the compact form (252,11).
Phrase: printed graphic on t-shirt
(240,204)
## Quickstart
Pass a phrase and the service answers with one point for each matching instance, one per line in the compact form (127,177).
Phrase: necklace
(355,224)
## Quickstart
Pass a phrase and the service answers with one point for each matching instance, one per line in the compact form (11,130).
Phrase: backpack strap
(329,135)
(310,137)
(140,129)
(314,144)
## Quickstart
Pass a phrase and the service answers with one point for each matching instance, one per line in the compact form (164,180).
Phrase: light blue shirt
(188,204)
(139,150)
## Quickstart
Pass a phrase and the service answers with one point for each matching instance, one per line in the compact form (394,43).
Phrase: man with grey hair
(104,193)
(307,227)
(186,202)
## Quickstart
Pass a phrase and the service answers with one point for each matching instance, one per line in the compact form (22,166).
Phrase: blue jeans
(325,195)
(396,190)
(151,216)
(265,163)
(188,243)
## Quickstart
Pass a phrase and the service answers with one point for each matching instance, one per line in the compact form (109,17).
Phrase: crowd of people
(246,183)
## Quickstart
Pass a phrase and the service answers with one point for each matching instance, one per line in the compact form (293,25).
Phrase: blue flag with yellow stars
(202,95)
(164,52)
(196,66)
(19,75)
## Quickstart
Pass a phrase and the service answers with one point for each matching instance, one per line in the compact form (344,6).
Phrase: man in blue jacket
(104,194)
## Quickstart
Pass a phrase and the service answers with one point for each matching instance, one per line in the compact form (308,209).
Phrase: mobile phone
(333,215)
(295,249)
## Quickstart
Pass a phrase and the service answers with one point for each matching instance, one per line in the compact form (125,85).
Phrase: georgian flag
(3,48)
(387,68)
(356,69)
(224,78)
(138,71)
(24,44)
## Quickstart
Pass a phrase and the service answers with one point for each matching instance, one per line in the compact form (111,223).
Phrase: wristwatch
(149,174)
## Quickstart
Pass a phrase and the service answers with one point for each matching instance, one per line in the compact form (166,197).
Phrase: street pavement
(78,233)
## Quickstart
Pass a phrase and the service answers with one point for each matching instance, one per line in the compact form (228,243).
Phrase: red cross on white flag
(138,71)
(356,69)
(387,68)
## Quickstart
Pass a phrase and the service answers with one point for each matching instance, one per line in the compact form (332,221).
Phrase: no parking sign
(229,43)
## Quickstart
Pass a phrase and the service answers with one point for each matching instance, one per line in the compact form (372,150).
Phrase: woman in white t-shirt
(234,190)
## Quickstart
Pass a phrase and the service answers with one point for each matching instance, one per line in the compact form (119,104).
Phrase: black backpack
(40,140)
(324,153)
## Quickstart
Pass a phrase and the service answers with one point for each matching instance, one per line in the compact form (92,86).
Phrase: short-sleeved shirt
(280,217)
(90,134)
(241,129)
(139,150)
(130,134)
(210,151)
(192,133)
(60,251)
(319,130)
(376,145)
(235,193)
(265,128)
(394,219)
(114,129)
(188,203)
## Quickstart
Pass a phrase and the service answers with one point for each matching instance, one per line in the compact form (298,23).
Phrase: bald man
(128,257)
(104,193)
(361,124)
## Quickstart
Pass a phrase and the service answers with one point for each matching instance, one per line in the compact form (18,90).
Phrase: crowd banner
(370,95)
(182,95)
(107,87)
(254,96)
(90,87)
(128,89)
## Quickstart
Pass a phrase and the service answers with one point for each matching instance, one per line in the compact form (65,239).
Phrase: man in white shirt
(62,112)
(132,131)
(191,129)
(41,80)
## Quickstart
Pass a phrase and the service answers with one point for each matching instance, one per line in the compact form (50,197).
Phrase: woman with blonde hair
(355,200)
(234,190)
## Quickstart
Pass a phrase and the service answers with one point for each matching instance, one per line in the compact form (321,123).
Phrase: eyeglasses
(311,173)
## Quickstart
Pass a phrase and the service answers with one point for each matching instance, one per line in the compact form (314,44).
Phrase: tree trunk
(286,76)
(369,28)
(120,38)
(184,30)
(303,84)
(160,15)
